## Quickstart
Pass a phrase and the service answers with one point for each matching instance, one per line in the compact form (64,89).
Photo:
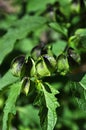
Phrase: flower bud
(62,65)
(17,65)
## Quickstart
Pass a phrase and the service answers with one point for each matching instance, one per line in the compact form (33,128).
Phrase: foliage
(43,65)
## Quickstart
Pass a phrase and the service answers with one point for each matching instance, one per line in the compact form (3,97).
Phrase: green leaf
(80,93)
(7,79)
(78,41)
(59,28)
(83,85)
(81,35)
(85,2)
(21,28)
(10,104)
(39,5)
(58,47)
(25,45)
(8,21)
(28,115)
(83,82)
(50,108)
(81,32)
(65,7)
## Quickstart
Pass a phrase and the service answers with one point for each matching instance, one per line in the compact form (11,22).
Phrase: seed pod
(28,68)
(41,68)
(31,66)
(47,50)
(50,62)
(62,65)
(74,55)
(17,65)
(41,49)
(26,85)
(36,52)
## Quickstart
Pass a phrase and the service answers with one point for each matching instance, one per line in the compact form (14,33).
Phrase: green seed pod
(50,62)
(28,68)
(36,52)
(41,68)
(26,85)
(62,65)
(31,66)
(17,65)
(41,49)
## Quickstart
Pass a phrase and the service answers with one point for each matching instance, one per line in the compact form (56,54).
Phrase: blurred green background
(17,28)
